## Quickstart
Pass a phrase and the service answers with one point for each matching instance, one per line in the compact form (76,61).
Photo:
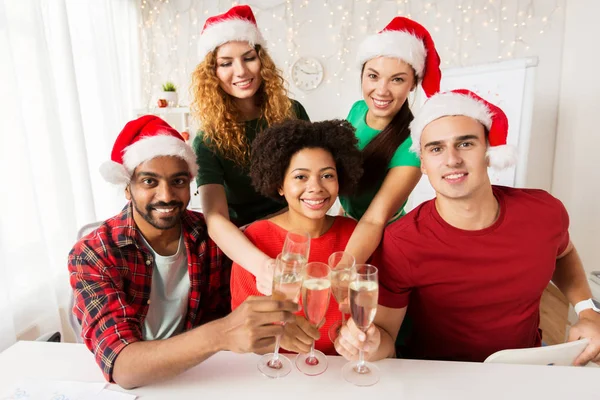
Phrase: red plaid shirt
(111,275)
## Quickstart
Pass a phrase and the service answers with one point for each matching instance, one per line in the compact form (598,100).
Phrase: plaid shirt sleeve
(108,322)
(218,264)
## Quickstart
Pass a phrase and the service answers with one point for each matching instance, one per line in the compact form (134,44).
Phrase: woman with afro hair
(237,91)
(304,165)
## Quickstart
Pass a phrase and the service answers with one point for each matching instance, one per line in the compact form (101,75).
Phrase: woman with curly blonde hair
(237,92)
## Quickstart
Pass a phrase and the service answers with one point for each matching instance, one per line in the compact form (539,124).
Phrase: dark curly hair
(273,149)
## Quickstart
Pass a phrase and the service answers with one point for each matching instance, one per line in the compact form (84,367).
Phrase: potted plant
(170,93)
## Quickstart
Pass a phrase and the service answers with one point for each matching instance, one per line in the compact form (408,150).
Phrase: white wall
(465,32)
(576,171)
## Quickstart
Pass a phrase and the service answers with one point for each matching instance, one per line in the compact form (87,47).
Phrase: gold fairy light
(511,23)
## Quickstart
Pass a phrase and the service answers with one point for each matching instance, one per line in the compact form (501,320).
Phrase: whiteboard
(507,84)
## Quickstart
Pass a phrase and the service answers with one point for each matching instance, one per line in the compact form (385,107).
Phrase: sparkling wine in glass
(296,246)
(287,283)
(363,294)
(342,272)
(316,288)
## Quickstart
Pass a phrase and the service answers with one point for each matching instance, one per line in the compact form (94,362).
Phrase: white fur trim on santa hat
(227,31)
(157,146)
(396,44)
(144,150)
(443,105)
(503,156)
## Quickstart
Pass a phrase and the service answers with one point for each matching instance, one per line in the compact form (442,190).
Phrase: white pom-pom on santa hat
(237,24)
(503,156)
(464,102)
(141,140)
(114,173)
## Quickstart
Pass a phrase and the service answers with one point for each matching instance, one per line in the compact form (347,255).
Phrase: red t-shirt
(269,238)
(472,293)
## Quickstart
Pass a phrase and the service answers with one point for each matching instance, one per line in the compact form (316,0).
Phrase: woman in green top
(394,62)
(237,92)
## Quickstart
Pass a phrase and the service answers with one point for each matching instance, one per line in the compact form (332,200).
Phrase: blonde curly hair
(218,114)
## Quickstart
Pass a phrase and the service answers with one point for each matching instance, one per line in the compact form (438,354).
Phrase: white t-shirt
(168,295)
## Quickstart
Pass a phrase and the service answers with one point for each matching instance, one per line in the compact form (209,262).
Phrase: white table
(228,375)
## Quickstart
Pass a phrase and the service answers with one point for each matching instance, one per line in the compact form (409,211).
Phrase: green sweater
(356,206)
(245,204)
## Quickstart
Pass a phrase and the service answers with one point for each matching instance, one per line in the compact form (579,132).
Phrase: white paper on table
(39,389)
(106,394)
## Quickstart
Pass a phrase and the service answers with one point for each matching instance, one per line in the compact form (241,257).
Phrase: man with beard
(151,288)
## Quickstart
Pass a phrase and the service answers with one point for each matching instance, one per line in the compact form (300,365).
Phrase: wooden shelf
(178,117)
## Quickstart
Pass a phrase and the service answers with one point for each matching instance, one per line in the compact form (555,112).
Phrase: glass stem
(276,351)
(311,355)
(360,366)
(343,318)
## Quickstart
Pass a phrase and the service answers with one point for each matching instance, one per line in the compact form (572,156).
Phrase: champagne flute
(316,288)
(296,246)
(342,272)
(363,293)
(287,282)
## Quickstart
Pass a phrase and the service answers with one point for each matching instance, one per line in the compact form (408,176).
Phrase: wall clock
(307,73)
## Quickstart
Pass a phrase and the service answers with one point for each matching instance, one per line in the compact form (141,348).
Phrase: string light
(513,24)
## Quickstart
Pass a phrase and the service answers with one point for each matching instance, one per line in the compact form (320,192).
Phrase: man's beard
(163,223)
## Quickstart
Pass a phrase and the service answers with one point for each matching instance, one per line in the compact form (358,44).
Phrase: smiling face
(453,156)
(386,83)
(310,184)
(238,69)
(160,192)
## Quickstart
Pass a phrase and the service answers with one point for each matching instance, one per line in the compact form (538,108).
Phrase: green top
(245,204)
(356,205)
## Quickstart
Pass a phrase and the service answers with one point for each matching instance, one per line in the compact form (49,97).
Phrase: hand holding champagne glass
(287,282)
(342,272)
(316,288)
(364,295)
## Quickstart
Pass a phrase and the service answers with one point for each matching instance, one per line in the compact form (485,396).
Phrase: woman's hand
(264,277)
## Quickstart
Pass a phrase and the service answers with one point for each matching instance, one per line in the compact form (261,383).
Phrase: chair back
(87,228)
(560,354)
(84,230)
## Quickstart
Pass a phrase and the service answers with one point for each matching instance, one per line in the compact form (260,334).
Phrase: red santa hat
(409,41)
(237,24)
(141,140)
(464,102)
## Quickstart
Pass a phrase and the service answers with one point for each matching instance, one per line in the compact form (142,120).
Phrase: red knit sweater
(269,238)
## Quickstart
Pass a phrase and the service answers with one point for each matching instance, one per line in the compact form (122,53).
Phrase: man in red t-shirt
(473,262)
